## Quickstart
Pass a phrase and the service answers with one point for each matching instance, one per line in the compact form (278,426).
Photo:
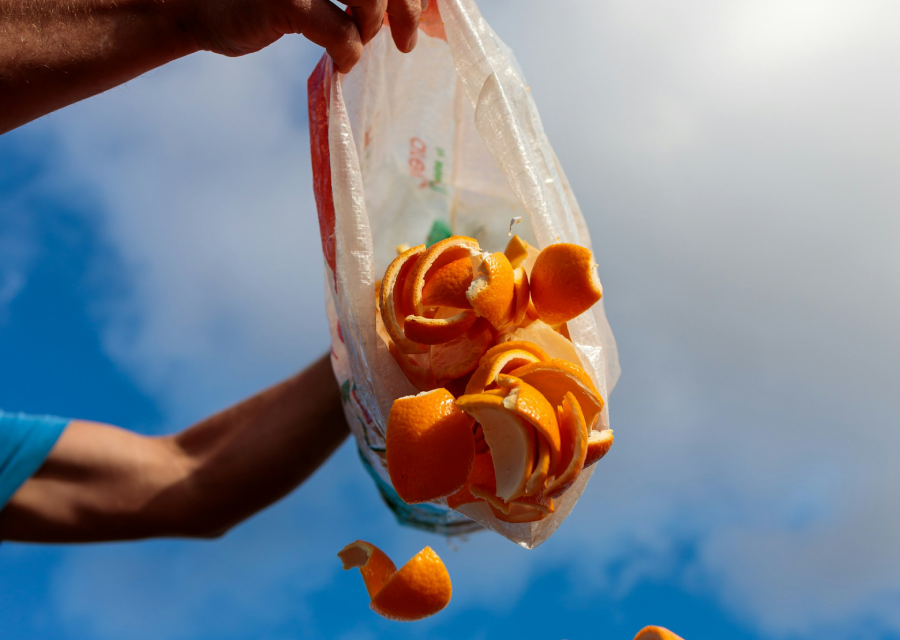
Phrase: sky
(737,165)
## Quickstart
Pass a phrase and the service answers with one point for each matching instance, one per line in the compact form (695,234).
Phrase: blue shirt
(25,441)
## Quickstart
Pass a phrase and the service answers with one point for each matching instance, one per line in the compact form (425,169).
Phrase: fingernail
(424,4)
(412,41)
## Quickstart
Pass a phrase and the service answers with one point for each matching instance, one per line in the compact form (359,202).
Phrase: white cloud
(736,161)
(736,164)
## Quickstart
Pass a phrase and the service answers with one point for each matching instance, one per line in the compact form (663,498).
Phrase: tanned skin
(103,483)
(56,52)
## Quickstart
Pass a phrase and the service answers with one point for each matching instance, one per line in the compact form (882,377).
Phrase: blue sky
(736,163)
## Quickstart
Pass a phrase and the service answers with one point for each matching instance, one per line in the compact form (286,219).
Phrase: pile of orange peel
(506,415)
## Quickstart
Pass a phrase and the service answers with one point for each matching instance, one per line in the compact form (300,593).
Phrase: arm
(56,52)
(103,483)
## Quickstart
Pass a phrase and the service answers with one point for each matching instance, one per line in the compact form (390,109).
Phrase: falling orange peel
(421,587)
(656,633)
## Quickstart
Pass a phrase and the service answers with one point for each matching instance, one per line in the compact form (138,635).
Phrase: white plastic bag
(446,133)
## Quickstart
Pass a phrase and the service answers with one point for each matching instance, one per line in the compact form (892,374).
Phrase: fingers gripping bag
(409,149)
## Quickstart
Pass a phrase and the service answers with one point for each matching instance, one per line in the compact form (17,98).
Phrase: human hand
(239,27)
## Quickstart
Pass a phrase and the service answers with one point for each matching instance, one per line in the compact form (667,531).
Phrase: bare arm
(56,52)
(104,483)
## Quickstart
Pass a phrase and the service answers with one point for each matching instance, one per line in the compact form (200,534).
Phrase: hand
(238,27)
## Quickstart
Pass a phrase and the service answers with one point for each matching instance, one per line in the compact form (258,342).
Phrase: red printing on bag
(318,88)
(417,149)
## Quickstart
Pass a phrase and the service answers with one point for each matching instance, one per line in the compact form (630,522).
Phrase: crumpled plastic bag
(450,134)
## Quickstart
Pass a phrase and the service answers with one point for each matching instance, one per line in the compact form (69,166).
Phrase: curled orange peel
(521,511)
(510,439)
(492,291)
(447,286)
(598,445)
(521,298)
(459,357)
(438,330)
(524,345)
(541,467)
(418,374)
(432,260)
(574,444)
(421,587)
(528,403)
(493,365)
(393,301)
(556,378)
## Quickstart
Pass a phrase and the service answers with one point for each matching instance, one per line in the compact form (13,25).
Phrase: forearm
(250,455)
(104,483)
(56,52)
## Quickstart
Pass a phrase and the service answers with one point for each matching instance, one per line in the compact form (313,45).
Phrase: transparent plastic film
(447,136)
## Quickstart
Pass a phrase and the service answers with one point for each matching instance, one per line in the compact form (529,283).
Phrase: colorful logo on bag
(418,165)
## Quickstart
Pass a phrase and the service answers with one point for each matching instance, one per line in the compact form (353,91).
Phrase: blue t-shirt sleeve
(25,441)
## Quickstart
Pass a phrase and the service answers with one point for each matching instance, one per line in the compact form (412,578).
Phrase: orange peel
(520,297)
(598,445)
(528,403)
(392,300)
(510,439)
(481,478)
(430,446)
(556,378)
(438,330)
(492,291)
(447,286)
(656,633)
(516,251)
(374,565)
(564,282)
(521,510)
(421,587)
(573,433)
(459,357)
(433,259)
(543,335)
(494,364)
(524,345)
(419,375)
(541,467)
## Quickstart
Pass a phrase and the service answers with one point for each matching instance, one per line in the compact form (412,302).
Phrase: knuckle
(407,12)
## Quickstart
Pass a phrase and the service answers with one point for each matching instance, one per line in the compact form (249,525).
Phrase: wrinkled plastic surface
(448,132)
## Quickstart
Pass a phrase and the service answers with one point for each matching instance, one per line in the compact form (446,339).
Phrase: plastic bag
(447,134)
